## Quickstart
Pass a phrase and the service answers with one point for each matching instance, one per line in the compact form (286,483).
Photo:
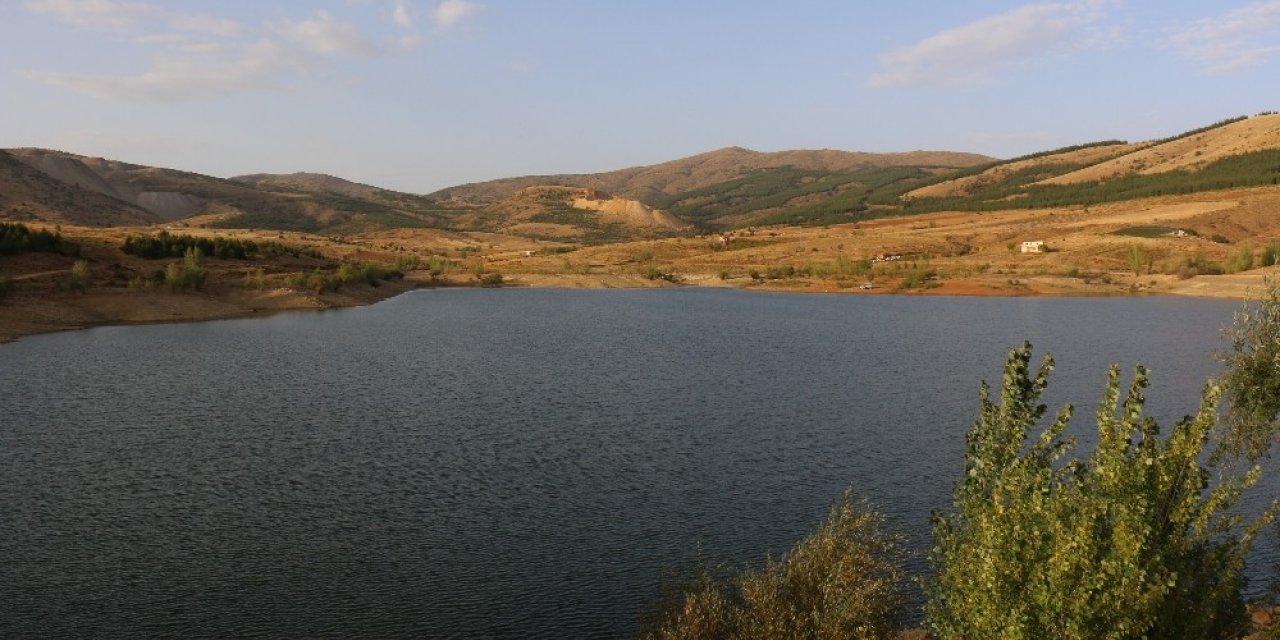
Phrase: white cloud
(400,14)
(450,12)
(325,35)
(1234,40)
(973,52)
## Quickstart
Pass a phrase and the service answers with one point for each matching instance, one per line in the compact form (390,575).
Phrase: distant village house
(1033,246)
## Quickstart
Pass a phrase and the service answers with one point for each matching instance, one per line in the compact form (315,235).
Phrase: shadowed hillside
(167,195)
(27,193)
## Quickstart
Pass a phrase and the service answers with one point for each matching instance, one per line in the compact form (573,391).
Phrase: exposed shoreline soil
(36,313)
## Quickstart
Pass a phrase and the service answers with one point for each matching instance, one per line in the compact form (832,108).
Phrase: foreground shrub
(1132,542)
(841,581)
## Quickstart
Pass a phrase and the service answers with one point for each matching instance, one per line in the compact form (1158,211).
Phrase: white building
(1033,246)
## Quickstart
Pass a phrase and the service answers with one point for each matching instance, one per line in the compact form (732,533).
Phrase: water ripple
(497,464)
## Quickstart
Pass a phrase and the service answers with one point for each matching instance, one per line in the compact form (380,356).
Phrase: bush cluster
(321,281)
(167,245)
(490,279)
(1197,264)
(16,238)
(653,272)
(842,581)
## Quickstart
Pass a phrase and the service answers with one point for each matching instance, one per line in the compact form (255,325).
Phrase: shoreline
(74,312)
(35,315)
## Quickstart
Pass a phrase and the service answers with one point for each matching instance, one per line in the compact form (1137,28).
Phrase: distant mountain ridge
(723,189)
(646,183)
(314,183)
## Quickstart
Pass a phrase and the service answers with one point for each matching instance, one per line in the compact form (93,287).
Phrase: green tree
(79,276)
(1137,257)
(1270,254)
(190,274)
(1131,542)
(1251,376)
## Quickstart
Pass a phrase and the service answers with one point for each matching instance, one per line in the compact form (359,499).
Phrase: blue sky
(422,94)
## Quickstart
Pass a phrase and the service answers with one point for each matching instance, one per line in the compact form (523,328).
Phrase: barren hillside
(27,193)
(572,213)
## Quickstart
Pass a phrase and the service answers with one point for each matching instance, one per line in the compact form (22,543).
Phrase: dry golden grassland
(942,253)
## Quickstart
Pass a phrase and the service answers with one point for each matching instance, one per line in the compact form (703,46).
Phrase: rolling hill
(724,188)
(78,189)
(27,193)
(736,187)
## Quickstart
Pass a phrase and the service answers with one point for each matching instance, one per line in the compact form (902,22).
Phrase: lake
(511,463)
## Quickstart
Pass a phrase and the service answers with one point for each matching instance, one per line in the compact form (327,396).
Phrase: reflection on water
(511,463)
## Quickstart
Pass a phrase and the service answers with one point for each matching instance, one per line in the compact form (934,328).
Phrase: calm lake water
(501,463)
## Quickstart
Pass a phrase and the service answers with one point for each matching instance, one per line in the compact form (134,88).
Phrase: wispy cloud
(199,56)
(110,15)
(96,14)
(205,24)
(240,69)
(1232,41)
(450,12)
(974,52)
(324,35)
(400,14)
